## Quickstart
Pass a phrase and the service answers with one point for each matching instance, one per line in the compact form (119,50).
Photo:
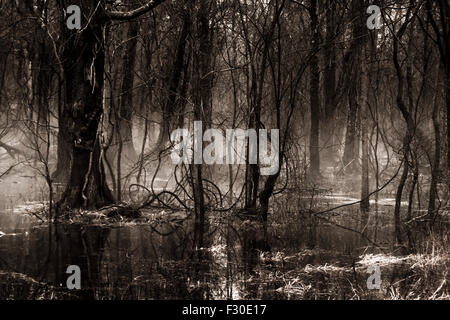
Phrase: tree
(83,57)
(327,124)
(441,27)
(314,149)
(352,62)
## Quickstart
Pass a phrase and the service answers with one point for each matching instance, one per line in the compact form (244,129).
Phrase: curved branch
(128,15)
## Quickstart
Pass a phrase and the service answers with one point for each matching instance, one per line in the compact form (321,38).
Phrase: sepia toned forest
(359,91)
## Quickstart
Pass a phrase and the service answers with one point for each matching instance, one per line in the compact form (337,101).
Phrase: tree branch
(12,151)
(128,15)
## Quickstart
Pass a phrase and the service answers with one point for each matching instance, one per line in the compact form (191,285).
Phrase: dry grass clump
(415,276)
(18,286)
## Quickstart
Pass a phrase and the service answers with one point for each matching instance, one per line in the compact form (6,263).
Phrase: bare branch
(128,15)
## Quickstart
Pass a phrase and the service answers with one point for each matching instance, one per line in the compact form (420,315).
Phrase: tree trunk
(202,112)
(410,133)
(61,174)
(329,86)
(440,27)
(83,62)
(398,196)
(125,123)
(364,167)
(367,97)
(437,160)
(351,149)
(314,154)
(178,68)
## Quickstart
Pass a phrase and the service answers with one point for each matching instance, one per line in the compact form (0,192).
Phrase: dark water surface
(143,261)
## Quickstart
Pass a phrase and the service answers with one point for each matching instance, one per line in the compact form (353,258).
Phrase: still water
(156,261)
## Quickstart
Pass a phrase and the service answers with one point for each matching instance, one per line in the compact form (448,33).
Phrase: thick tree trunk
(87,187)
(83,62)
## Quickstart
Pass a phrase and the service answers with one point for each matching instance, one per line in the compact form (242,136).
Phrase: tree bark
(436,160)
(329,86)
(125,121)
(410,131)
(83,63)
(61,174)
(201,91)
(178,68)
(353,67)
(314,152)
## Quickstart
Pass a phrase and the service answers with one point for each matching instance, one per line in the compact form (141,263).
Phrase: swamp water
(155,260)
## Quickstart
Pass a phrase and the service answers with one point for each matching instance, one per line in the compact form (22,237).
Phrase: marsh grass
(417,276)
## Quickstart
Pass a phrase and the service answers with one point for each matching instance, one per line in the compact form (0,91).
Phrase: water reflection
(157,262)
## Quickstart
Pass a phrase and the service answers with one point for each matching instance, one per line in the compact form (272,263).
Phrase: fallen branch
(368,196)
